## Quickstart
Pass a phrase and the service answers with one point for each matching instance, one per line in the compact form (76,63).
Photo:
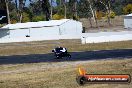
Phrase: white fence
(106,37)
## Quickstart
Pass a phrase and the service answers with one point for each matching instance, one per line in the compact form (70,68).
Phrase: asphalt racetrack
(76,56)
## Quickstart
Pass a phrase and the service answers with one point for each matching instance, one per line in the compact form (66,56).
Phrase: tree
(62,7)
(107,6)
(36,7)
(21,6)
(92,9)
(7,9)
(45,7)
(51,9)
(59,2)
(65,8)
(84,10)
(73,7)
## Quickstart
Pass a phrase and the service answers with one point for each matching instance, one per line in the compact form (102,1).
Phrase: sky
(54,2)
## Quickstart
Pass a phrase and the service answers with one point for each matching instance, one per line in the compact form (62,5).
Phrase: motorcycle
(60,55)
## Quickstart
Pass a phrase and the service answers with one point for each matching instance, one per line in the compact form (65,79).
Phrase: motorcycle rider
(63,50)
(60,50)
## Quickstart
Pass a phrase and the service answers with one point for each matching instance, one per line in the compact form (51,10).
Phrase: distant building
(128,21)
(41,29)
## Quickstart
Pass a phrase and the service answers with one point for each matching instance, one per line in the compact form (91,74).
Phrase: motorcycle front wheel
(58,57)
(68,55)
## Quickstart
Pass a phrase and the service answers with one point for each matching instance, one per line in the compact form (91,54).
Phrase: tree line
(39,10)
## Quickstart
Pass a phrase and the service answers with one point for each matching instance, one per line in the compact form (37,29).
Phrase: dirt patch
(117,24)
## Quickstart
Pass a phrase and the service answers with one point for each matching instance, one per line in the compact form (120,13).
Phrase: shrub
(57,17)
(13,21)
(112,14)
(127,9)
(38,18)
(25,17)
(99,15)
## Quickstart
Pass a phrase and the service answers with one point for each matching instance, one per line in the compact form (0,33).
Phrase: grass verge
(46,46)
(40,75)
